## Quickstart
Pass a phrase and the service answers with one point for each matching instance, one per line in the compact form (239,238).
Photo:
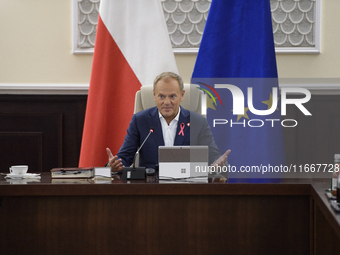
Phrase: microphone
(136,173)
(140,147)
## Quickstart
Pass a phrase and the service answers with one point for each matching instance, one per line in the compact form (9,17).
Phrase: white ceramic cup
(18,170)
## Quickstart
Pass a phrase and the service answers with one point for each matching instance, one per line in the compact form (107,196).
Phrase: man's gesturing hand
(221,160)
(115,163)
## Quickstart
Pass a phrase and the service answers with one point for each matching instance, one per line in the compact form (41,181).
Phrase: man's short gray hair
(167,75)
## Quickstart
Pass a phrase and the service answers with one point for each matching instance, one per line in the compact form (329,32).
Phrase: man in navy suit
(171,125)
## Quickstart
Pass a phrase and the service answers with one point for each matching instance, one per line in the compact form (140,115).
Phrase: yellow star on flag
(269,102)
(210,102)
(245,115)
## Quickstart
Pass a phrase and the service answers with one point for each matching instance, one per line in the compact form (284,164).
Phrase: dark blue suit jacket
(196,132)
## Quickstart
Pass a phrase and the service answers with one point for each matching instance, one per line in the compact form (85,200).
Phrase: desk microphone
(136,173)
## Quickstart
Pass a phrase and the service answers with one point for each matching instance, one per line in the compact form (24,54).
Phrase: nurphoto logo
(252,93)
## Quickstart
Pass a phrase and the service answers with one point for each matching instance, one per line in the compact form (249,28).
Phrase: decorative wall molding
(186,21)
(296,24)
(84,25)
(44,89)
(317,86)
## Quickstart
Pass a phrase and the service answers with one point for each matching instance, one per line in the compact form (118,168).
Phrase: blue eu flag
(237,49)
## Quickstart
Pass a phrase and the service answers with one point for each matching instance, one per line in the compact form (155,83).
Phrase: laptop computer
(183,161)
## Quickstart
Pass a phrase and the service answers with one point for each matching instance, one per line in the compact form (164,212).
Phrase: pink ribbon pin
(182,129)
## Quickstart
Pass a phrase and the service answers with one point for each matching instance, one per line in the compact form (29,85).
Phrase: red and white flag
(132,47)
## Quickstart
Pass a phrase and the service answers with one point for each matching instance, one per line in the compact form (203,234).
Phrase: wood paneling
(29,152)
(42,131)
(49,128)
(316,138)
(156,225)
(60,121)
(325,238)
(293,217)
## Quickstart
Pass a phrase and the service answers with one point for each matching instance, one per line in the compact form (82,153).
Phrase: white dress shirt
(169,131)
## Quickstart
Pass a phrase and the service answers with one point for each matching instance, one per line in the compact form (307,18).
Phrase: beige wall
(36,43)
(36,46)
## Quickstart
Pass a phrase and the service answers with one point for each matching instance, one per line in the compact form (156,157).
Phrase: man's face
(168,97)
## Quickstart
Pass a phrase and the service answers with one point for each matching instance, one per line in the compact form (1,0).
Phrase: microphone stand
(136,173)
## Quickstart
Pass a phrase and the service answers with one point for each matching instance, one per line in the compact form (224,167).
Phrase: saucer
(22,176)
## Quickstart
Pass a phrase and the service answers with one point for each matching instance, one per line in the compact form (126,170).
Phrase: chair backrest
(194,99)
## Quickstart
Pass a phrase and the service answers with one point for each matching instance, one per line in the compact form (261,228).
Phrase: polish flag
(132,47)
